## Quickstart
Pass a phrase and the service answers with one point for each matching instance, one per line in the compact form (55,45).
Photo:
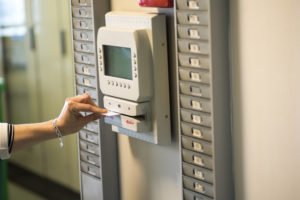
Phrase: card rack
(203,99)
(97,145)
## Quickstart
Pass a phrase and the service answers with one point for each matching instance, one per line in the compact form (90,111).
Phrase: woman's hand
(72,119)
(69,121)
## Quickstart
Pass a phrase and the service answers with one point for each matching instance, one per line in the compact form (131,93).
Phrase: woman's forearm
(69,121)
(29,134)
(76,113)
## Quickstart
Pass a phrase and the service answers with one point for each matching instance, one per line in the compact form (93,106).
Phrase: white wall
(266,98)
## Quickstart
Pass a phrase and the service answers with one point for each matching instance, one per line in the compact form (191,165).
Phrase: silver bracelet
(58,133)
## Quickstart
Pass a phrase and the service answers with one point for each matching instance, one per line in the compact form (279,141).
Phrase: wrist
(58,131)
(60,125)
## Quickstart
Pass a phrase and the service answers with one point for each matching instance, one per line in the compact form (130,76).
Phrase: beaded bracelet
(58,132)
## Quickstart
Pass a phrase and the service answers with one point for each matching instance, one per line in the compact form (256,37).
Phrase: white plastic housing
(126,107)
(140,87)
(145,35)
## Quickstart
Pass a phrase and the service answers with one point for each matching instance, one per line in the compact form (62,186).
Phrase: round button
(117,84)
(135,75)
(128,86)
(134,62)
(113,83)
(119,106)
(134,55)
(134,68)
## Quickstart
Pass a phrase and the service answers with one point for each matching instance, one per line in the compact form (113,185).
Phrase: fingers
(83,98)
(90,118)
(86,98)
(83,107)
(90,101)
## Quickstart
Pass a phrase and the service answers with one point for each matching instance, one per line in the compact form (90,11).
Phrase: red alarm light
(156,3)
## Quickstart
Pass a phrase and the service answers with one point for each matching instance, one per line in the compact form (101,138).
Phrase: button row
(100,58)
(135,65)
(119,84)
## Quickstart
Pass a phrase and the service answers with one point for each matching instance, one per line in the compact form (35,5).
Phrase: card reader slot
(139,117)
(137,123)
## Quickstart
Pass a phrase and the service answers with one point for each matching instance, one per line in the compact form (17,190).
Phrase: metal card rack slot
(97,146)
(203,99)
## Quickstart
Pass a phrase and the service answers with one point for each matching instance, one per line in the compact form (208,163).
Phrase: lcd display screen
(117,61)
